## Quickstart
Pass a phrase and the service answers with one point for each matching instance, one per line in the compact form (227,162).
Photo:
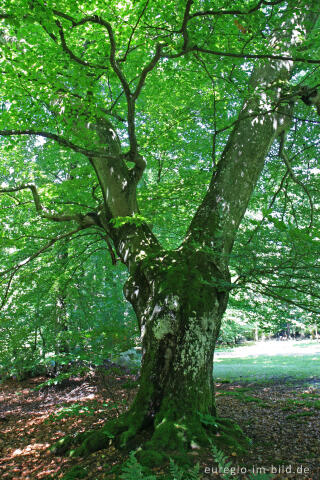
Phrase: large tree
(126,93)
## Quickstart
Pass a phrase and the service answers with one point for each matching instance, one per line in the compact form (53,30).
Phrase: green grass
(266,361)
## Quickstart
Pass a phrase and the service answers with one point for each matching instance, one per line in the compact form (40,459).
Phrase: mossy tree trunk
(184,298)
(180,296)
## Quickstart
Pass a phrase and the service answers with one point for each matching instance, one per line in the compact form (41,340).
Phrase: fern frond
(132,470)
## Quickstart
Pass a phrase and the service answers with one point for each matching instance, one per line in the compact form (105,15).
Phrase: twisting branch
(72,55)
(13,270)
(39,207)
(96,19)
(91,219)
(119,73)
(131,97)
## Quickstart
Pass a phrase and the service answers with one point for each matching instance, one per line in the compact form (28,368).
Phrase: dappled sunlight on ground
(30,423)
(282,420)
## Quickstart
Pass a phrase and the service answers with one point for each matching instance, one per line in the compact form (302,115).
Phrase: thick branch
(57,138)
(184,29)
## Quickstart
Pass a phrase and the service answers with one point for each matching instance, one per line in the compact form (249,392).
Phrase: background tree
(180,99)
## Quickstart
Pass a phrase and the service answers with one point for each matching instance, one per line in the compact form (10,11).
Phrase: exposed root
(175,438)
(82,444)
(172,437)
(119,431)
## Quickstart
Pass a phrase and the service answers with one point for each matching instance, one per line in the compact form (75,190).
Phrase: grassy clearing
(265,361)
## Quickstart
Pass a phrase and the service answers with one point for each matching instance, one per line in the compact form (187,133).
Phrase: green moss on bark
(97,440)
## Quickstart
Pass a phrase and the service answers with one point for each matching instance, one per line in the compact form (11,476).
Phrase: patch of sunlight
(30,449)
(268,360)
(271,348)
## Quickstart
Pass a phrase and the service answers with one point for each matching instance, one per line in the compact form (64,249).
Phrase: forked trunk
(180,296)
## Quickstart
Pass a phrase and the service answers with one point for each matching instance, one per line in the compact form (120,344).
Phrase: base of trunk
(170,436)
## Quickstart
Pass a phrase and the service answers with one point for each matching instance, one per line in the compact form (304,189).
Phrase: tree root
(82,444)
(119,431)
(172,437)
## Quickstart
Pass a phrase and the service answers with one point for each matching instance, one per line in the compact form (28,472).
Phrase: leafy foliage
(54,75)
(132,470)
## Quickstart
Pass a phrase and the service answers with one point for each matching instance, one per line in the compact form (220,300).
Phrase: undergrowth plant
(179,473)
(227,470)
(133,470)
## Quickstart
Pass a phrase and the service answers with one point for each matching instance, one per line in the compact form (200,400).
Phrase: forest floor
(281,417)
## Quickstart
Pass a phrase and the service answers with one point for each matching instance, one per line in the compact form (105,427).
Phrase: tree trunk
(184,298)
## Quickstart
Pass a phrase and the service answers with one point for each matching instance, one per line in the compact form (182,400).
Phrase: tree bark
(179,296)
